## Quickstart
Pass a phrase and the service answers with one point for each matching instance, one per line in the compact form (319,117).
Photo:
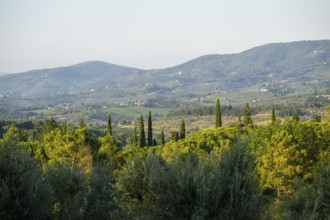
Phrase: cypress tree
(239,123)
(273,115)
(142,133)
(174,136)
(182,130)
(149,130)
(109,125)
(134,136)
(162,137)
(247,122)
(218,121)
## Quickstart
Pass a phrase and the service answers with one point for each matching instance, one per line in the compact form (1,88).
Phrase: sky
(148,34)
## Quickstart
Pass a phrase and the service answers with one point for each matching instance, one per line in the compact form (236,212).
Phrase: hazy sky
(148,34)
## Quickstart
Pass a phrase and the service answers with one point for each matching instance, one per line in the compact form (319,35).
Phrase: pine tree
(149,130)
(218,121)
(135,140)
(142,133)
(182,130)
(247,122)
(109,125)
(273,115)
(162,137)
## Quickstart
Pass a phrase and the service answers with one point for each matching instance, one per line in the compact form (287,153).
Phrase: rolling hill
(277,68)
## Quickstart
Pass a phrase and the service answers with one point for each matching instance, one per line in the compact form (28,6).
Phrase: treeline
(283,110)
(61,171)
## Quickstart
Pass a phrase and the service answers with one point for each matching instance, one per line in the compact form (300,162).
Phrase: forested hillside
(52,170)
(270,70)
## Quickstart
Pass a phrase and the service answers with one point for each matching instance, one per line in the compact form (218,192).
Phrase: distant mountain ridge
(302,64)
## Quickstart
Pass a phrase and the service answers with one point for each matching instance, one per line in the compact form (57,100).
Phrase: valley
(287,75)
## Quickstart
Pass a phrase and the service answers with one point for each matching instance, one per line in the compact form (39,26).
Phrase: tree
(162,137)
(109,125)
(277,171)
(316,118)
(109,149)
(70,148)
(247,122)
(100,201)
(273,115)
(82,123)
(149,130)
(142,133)
(69,190)
(24,194)
(239,124)
(182,130)
(174,136)
(295,117)
(135,140)
(49,126)
(218,121)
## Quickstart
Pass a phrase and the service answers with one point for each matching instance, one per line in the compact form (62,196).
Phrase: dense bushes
(24,194)
(188,187)
(280,170)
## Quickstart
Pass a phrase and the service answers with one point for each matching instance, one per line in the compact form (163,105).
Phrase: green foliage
(142,133)
(187,188)
(150,139)
(109,150)
(273,115)
(69,188)
(70,148)
(109,127)
(182,130)
(162,137)
(287,152)
(23,191)
(310,201)
(49,126)
(101,203)
(200,143)
(295,117)
(174,136)
(218,120)
(247,121)
(280,170)
(135,139)
(276,171)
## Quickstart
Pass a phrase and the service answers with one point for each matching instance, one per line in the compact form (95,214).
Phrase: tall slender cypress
(247,122)
(182,130)
(142,133)
(150,140)
(218,121)
(162,137)
(273,115)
